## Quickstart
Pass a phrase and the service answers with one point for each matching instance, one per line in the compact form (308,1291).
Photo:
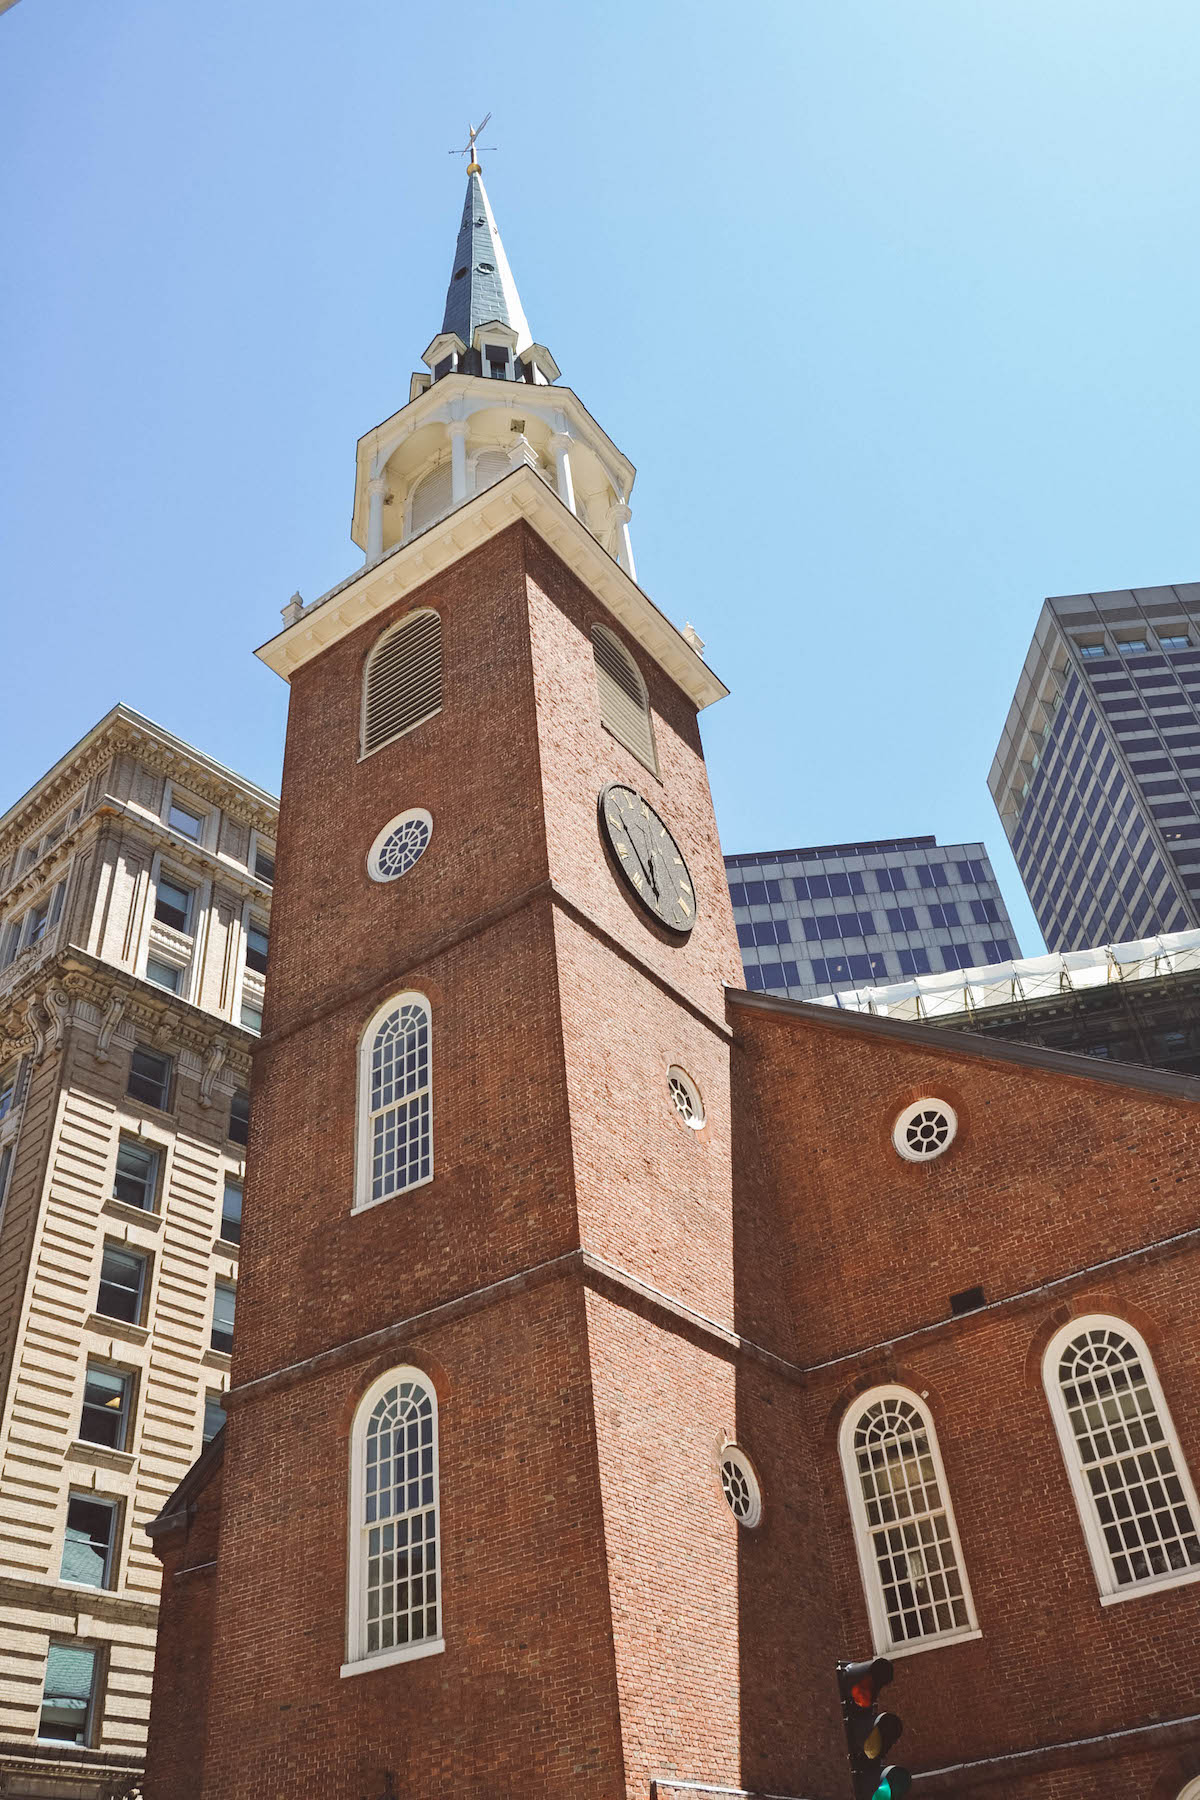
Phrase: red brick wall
(183,1655)
(523,1698)
(1049,1174)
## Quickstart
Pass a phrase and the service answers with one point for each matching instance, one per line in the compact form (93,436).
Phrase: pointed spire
(482,288)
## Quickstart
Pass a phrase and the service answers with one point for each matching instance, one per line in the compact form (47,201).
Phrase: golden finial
(468,148)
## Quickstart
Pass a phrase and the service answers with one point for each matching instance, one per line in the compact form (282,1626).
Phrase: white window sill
(384,1658)
(369,1205)
(1159,1585)
(894,1651)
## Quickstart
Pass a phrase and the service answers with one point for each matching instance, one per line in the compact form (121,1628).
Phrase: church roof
(482,290)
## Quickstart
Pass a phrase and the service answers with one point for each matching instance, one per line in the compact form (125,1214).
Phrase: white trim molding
(919,1493)
(1120,1418)
(408,566)
(405,1488)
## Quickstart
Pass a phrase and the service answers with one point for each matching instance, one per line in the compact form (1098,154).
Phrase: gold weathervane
(468,148)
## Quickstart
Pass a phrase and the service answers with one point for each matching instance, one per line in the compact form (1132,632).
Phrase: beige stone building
(135,887)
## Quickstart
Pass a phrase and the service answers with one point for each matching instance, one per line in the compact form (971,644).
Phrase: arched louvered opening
(402,683)
(624,703)
(431,499)
(490,466)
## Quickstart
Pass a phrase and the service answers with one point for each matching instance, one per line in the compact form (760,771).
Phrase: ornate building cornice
(124,733)
(34,1018)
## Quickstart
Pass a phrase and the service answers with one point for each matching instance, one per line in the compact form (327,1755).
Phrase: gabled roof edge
(1164,1082)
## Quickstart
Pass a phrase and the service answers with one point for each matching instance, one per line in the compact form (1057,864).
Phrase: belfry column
(376,489)
(621,516)
(458,461)
(560,443)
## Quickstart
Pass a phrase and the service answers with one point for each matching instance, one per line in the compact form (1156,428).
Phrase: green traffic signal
(892,1783)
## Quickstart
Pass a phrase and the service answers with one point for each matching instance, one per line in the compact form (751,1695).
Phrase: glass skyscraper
(1098,770)
(839,916)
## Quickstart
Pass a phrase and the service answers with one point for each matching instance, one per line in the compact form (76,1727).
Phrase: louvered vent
(490,466)
(403,680)
(431,499)
(624,707)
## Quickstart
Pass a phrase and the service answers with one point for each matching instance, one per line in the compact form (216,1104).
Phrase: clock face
(648,857)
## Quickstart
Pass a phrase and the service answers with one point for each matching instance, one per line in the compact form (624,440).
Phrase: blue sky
(894,308)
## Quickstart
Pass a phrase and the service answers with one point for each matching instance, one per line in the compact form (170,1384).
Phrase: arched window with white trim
(395,1116)
(395,1602)
(624,701)
(1192,1790)
(908,1549)
(402,681)
(1131,1485)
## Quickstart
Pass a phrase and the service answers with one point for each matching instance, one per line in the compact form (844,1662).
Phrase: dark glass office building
(837,916)
(1098,771)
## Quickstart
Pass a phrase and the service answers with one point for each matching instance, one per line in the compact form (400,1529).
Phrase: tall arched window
(624,702)
(402,682)
(1136,1501)
(395,1611)
(908,1548)
(395,1124)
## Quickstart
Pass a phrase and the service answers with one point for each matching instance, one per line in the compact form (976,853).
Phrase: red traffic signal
(870,1732)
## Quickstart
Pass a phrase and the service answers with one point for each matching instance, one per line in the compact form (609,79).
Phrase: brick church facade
(617,1349)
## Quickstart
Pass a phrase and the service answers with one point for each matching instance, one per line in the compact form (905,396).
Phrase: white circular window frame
(900,1129)
(699,1116)
(394,825)
(733,1453)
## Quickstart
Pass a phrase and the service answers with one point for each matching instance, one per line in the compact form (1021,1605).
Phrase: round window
(399,845)
(740,1485)
(685,1097)
(924,1130)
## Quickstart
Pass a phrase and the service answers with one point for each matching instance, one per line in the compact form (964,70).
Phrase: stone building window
(69,1695)
(395,1574)
(908,1548)
(402,682)
(107,1406)
(624,702)
(1131,1484)
(395,1148)
(90,1541)
(150,1077)
(135,1179)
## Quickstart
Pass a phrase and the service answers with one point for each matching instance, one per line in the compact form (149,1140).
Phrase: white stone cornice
(520,495)
(74,985)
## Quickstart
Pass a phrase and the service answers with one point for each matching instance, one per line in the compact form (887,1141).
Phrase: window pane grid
(401,1139)
(400,1524)
(908,1524)
(1144,1516)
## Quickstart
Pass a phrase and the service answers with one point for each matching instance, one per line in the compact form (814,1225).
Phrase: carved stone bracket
(112,1018)
(212,1064)
(35,1020)
(58,1008)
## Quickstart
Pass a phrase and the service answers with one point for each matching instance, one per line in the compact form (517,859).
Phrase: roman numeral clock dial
(647,857)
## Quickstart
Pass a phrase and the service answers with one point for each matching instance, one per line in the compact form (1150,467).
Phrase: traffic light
(870,1733)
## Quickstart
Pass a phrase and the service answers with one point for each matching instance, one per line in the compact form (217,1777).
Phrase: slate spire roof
(482,288)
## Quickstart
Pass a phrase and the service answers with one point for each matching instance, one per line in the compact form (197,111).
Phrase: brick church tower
(616,1349)
(490,1132)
